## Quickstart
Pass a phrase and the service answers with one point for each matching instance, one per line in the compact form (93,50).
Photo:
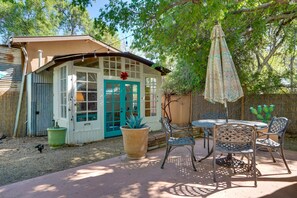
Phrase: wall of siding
(10,83)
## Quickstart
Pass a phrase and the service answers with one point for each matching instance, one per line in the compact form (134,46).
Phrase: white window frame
(151,83)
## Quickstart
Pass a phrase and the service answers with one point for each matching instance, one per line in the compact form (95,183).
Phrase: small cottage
(86,86)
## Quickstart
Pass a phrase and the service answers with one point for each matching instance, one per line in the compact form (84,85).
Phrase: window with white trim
(150,97)
(132,67)
(86,96)
(63,92)
(112,66)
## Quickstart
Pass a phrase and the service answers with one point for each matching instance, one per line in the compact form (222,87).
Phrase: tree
(73,19)
(30,17)
(256,31)
(48,18)
(181,81)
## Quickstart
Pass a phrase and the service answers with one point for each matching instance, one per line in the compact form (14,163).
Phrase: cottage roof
(57,60)
(34,39)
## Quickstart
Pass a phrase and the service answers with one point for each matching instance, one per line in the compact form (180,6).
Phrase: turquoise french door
(121,99)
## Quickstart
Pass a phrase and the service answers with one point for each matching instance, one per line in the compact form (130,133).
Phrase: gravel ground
(20,160)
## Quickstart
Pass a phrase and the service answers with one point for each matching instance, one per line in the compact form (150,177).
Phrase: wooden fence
(285,105)
(8,106)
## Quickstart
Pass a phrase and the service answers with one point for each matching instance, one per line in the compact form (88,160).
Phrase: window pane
(106,72)
(106,64)
(80,96)
(92,77)
(92,96)
(81,76)
(112,65)
(81,86)
(147,113)
(150,97)
(92,87)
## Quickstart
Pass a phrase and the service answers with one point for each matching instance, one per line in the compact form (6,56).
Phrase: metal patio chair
(174,142)
(208,132)
(235,139)
(277,126)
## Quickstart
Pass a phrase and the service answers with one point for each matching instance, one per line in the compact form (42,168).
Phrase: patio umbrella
(222,82)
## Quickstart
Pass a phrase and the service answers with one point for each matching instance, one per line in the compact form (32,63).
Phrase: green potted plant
(135,137)
(56,135)
(263,113)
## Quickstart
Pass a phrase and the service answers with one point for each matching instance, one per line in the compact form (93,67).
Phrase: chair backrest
(213,115)
(278,125)
(166,127)
(234,137)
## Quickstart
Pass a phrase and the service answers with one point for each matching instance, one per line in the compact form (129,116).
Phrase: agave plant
(135,122)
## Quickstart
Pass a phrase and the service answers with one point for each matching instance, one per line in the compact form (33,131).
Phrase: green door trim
(114,130)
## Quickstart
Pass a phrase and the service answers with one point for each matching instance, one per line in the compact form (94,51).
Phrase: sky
(96,5)
(94,12)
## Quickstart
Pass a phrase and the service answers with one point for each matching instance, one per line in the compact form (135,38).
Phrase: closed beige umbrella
(222,82)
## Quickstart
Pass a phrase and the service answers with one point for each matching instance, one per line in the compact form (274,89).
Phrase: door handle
(85,124)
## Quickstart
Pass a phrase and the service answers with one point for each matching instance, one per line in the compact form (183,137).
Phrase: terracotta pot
(135,142)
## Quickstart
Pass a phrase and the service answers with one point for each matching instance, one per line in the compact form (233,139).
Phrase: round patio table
(208,124)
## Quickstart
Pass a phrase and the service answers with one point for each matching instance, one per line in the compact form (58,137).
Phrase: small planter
(56,136)
(135,142)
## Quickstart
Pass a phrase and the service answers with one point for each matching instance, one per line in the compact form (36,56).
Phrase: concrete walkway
(118,177)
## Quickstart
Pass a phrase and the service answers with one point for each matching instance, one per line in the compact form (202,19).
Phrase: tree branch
(282,16)
(261,7)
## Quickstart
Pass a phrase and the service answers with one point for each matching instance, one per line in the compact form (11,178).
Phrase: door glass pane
(92,116)
(81,106)
(116,88)
(108,106)
(81,117)
(117,106)
(92,106)
(128,88)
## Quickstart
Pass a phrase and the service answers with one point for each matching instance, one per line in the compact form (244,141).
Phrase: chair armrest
(261,134)
(187,130)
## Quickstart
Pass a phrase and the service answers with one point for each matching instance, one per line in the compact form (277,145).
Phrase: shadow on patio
(118,177)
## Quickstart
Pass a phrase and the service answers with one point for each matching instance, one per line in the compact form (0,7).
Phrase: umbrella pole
(226,108)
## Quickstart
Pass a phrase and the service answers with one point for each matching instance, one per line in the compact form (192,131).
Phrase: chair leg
(283,156)
(207,142)
(193,158)
(204,136)
(168,148)
(254,168)
(270,151)
(214,167)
